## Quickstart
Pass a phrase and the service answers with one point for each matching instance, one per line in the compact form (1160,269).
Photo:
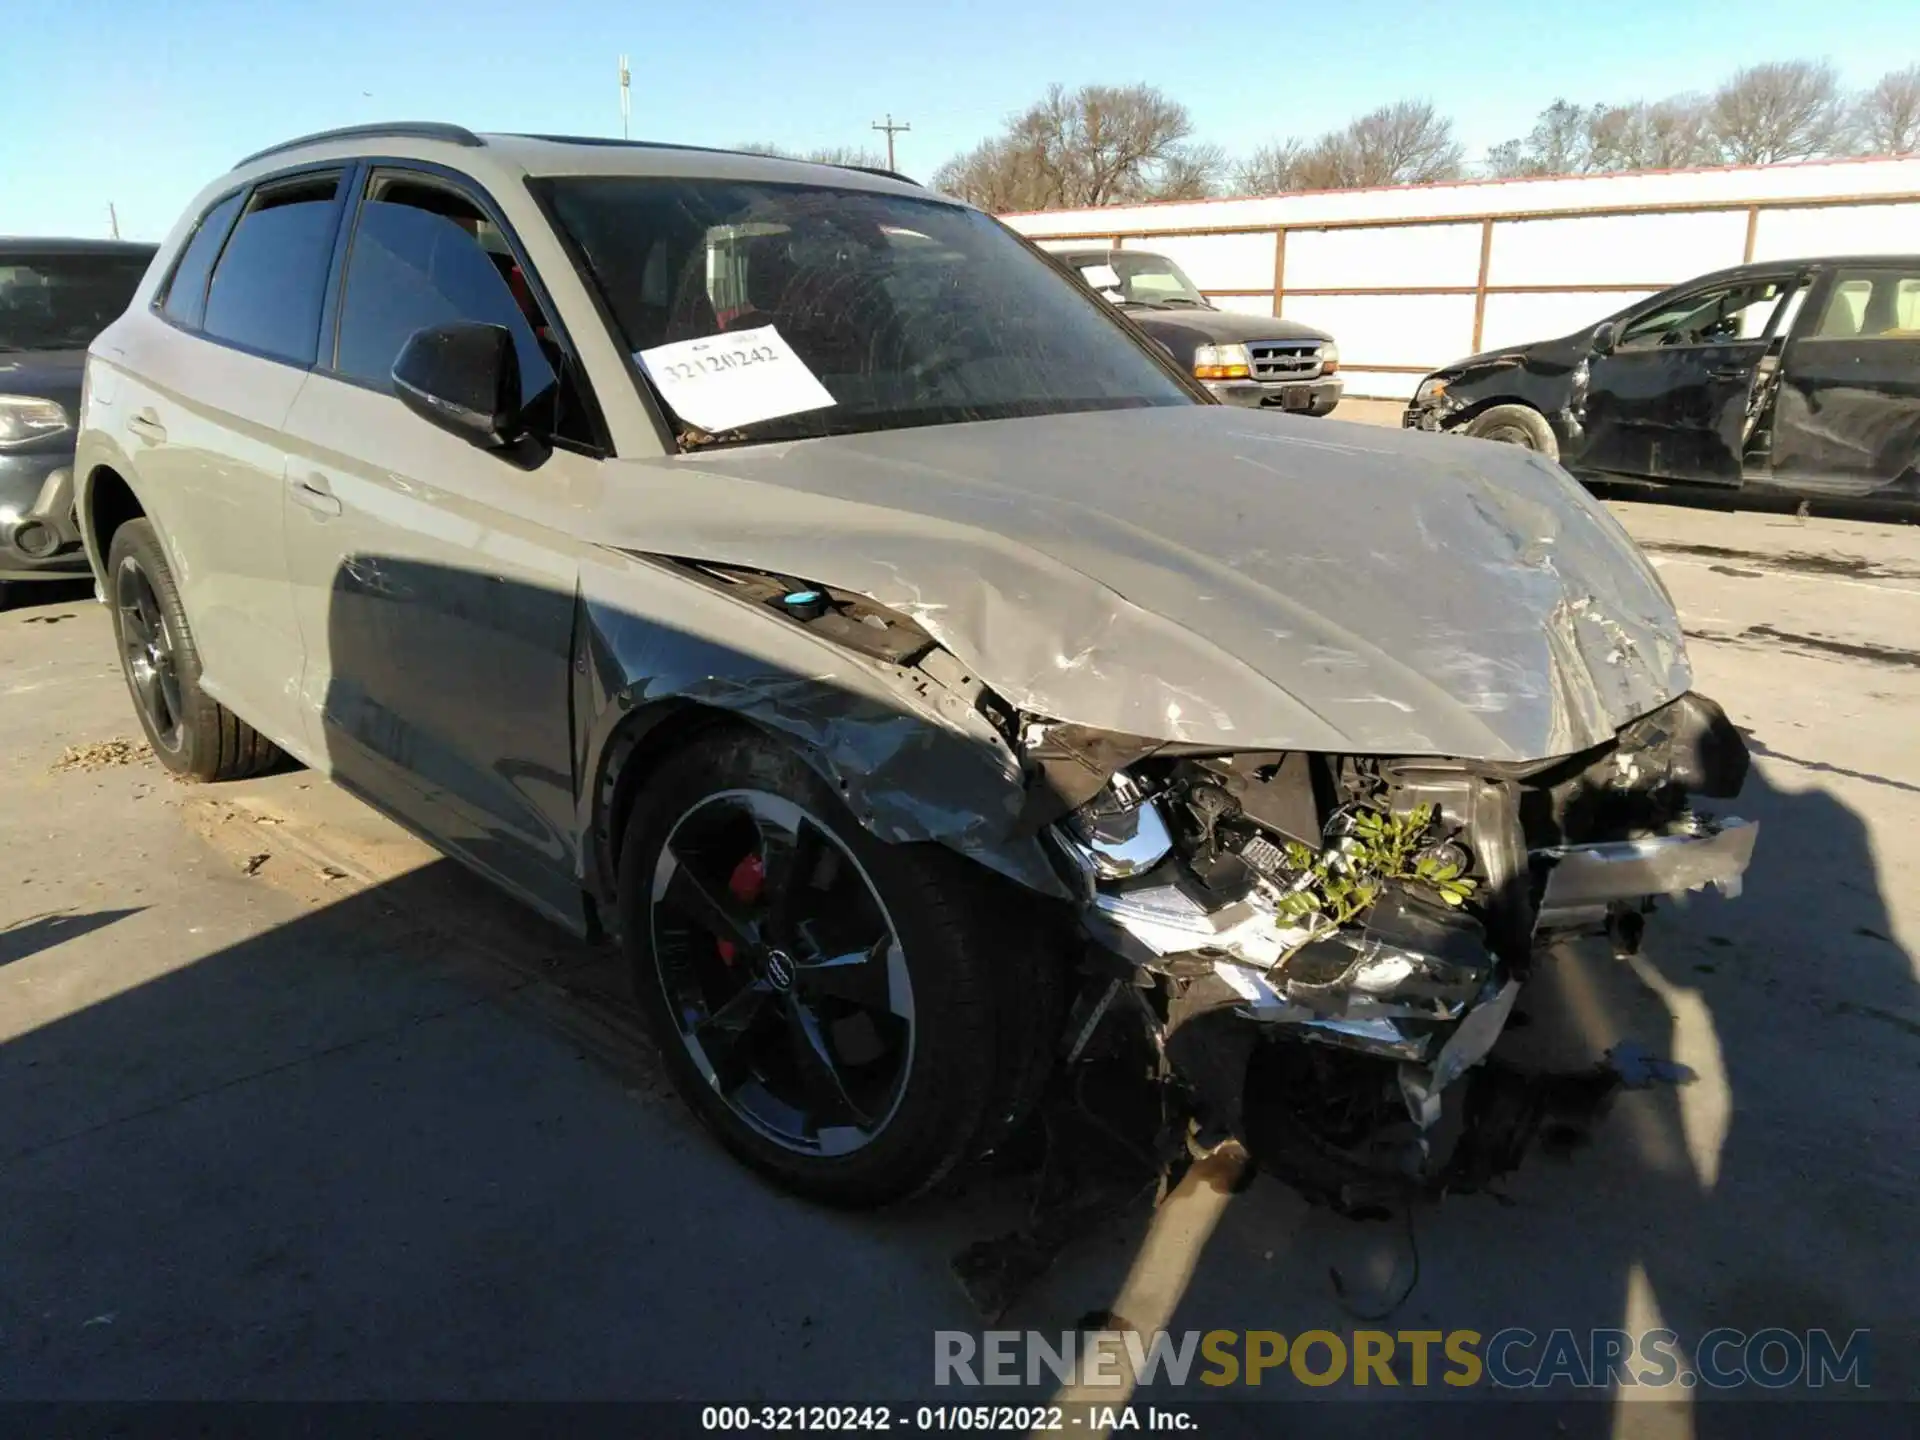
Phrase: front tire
(1520,425)
(191,733)
(835,1009)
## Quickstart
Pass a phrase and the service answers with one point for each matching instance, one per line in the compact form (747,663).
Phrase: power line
(892,129)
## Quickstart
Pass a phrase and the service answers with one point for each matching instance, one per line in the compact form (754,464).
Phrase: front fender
(914,759)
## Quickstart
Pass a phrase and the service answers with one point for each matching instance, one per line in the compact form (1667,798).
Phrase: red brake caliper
(744,885)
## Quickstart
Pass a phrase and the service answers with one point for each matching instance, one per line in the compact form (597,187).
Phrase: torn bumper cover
(1584,881)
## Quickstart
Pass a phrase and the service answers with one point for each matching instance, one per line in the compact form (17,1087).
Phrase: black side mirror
(464,378)
(1605,336)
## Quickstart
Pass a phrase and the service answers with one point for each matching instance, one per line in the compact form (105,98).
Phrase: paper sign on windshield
(722,382)
(1101,277)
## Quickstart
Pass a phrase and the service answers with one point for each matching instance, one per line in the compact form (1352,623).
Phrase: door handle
(314,494)
(1731,372)
(147,426)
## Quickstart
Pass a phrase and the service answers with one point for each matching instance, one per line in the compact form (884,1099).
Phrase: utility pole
(626,93)
(113,219)
(892,130)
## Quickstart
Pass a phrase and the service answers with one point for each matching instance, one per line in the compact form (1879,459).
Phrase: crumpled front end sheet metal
(911,764)
(1208,575)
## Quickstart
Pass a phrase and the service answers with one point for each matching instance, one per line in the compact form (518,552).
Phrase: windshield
(903,311)
(1140,280)
(60,302)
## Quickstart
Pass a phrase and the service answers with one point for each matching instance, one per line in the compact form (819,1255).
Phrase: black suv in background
(1254,360)
(55,296)
(1790,377)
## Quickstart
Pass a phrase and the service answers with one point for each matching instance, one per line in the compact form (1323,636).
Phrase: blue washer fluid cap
(804,604)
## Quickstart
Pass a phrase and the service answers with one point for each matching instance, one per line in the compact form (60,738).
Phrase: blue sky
(140,102)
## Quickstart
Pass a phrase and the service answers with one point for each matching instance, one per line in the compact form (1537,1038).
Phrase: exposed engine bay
(1331,946)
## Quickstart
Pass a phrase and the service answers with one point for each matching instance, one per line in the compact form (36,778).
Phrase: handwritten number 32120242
(721,364)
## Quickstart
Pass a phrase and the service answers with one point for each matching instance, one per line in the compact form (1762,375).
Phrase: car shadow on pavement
(41,932)
(404,1146)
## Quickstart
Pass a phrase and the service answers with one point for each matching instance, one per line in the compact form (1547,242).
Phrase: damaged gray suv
(789,573)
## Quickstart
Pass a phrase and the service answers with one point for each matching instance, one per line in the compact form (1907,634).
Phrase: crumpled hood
(1208,574)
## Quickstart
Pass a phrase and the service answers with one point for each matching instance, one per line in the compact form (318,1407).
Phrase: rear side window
(1873,305)
(186,298)
(272,277)
(425,255)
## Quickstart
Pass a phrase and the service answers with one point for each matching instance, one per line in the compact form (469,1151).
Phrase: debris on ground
(254,862)
(104,754)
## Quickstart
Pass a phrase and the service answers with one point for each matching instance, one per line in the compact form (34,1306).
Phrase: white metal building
(1407,278)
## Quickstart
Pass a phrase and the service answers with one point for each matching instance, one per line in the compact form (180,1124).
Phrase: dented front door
(1671,400)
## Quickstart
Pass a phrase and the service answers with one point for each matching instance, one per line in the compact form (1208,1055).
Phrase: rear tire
(909,1097)
(1520,425)
(191,733)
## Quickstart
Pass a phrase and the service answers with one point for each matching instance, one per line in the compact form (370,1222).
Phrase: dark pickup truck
(55,296)
(1253,360)
(1798,378)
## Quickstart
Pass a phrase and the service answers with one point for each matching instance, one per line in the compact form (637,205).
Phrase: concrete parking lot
(294,1109)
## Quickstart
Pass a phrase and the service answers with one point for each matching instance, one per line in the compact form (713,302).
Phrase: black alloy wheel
(147,651)
(853,1018)
(783,971)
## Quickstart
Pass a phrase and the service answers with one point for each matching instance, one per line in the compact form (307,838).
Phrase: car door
(1847,417)
(204,388)
(1672,398)
(434,583)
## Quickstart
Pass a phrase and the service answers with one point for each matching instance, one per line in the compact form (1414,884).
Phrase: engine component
(1120,832)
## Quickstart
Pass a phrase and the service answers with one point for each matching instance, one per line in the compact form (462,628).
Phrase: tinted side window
(423,255)
(1719,316)
(186,298)
(1873,305)
(268,287)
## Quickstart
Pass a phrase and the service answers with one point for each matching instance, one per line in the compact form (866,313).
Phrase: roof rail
(409,129)
(883,173)
(716,150)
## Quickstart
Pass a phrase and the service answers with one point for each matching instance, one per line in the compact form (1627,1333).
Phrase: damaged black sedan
(1797,378)
(945,703)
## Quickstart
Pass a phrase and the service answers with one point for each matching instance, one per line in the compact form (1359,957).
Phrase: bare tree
(1194,172)
(1271,170)
(1098,145)
(1788,110)
(1000,174)
(1405,143)
(1664,135)
(819,155)
(1560,143)
(1886,119)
